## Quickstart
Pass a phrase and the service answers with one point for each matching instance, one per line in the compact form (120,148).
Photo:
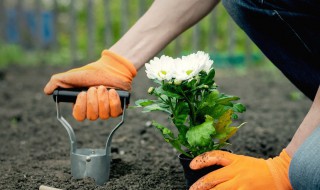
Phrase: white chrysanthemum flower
(190,66)
(186,68)
(202,59)
(160,68)
(180,69)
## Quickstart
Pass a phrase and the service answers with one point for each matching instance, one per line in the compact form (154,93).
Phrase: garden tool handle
(70,95)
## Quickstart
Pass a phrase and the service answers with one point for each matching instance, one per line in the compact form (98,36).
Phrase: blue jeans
(304,172)
(287,32)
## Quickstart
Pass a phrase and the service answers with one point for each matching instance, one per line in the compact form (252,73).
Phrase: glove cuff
(121,60)
(279,168)
(285,156)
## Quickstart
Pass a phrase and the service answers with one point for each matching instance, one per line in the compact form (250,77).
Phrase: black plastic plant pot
(191,176)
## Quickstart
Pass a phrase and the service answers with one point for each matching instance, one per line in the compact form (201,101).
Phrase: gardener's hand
(112,71)
(242,172)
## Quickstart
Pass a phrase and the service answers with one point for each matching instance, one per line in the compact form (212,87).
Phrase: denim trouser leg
(287,32)
(304,172)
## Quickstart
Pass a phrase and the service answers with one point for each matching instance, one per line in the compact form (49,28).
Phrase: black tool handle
(70,95)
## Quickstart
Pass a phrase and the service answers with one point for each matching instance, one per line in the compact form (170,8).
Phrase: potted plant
(202,115)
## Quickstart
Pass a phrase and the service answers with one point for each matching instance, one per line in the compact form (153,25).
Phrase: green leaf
(220,135)
(180,113)
(182,138)
(208,106)
(214,110)
(166,133)
(218,110)
(213,96)
(238,107)
(226,100)
(229,133)
(209,79)
(190,85)
(169,137)
(144,102)
(179,118)
(224,121)
(156,107)
(222,125)
(200,135)
(179,122)
(234,116)
(167,90)
(210,99)
(177,145)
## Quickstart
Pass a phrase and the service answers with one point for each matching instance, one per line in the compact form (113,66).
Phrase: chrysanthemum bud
(215,92)
(177,82)
(150,90)
(197,78)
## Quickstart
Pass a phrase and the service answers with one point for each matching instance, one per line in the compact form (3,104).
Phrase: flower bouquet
(187,92)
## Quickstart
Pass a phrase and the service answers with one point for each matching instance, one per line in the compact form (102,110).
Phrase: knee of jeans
(294,176)
(303,171)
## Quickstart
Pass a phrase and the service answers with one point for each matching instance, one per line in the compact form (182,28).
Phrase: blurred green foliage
(15,54)
(10,54)
(222,49)
(296,95)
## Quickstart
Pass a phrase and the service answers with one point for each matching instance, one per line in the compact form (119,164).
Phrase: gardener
(288,34)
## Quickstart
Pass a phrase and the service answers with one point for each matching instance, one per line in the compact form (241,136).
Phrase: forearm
(310,122)
(164,21)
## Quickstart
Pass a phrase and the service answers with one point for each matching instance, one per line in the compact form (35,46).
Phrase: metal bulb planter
(87,162)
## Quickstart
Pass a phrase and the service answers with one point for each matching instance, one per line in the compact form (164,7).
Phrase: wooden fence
(86,27)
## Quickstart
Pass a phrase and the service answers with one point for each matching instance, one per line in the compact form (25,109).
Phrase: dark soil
(34,147)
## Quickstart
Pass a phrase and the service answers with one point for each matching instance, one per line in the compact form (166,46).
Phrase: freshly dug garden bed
(34,147)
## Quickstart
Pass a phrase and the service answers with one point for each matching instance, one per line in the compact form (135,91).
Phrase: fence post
(38,25)
(177,46)
(124,16)
(25,32)
(231,44)
(2,20)
(213,30)
(195,37)
(248,51)
(108,24)
(55,23)
(73,33)
(91,29)
(142,8)
(19,10)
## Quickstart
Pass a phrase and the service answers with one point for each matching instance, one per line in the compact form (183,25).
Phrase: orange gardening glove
(112,71)
(242,172)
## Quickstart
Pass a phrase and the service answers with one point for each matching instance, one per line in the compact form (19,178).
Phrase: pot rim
(185,157)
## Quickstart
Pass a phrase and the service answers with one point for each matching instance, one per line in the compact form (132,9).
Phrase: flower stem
(170,104)
(192,109)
